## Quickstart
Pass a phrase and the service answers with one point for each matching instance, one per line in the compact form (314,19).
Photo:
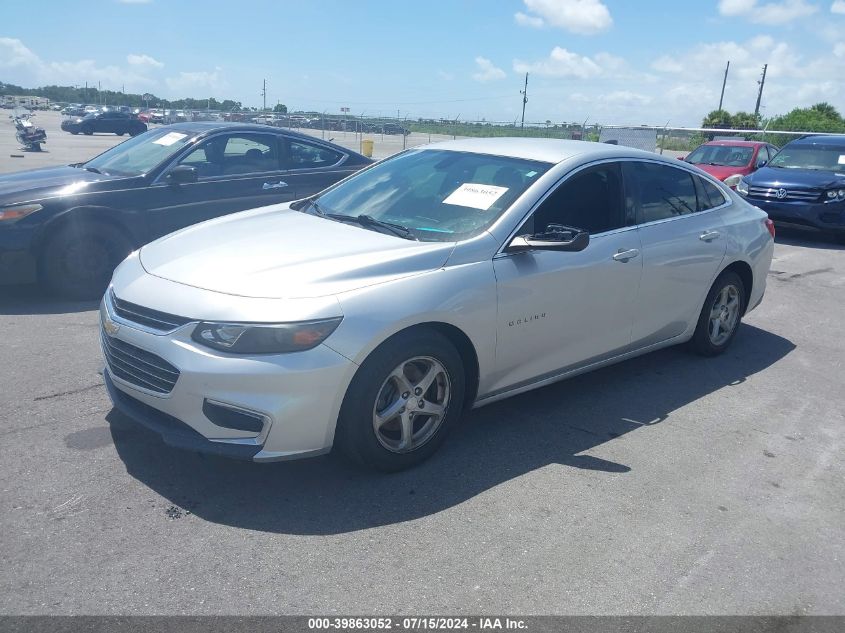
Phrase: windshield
(723,155)
(439,195)
(140,154)
(816,157)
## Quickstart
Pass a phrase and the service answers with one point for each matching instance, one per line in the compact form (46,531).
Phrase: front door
(236,171)
(560,310)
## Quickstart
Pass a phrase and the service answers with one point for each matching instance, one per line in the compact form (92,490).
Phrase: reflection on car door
(683,244)
(560,310)
(236,171)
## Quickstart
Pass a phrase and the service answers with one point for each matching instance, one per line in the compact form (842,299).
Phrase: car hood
(35,184)
(721,171)
(796,178)
(274,252)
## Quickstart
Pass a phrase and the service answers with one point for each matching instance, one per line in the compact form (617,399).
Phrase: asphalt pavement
(668,484)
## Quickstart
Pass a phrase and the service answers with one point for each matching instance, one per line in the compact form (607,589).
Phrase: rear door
(235,171)
(313,166)
(683,245)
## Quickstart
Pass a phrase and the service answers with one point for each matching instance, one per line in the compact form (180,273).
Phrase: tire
(726,300)
(74,133)
(136,132)
(120,133)
(376,387)
(87,131)
(77,262)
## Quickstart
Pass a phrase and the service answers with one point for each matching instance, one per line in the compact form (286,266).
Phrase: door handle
(709,236)
(625,255)
(274,185)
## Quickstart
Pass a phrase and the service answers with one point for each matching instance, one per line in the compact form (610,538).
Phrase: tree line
(91,95)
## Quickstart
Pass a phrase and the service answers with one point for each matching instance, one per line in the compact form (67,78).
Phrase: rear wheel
(88,130)
(77,262)
(721,315)
(120,133)
(402,402)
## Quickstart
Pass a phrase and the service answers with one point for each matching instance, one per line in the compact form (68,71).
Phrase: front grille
(137,366)
(803,195)
(153,319)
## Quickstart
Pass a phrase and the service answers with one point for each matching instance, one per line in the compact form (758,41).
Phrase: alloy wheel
(724,315)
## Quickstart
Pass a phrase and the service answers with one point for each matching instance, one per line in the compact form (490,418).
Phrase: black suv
(804,184)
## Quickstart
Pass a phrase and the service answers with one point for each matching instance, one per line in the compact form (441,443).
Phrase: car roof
(547,150)
(736,143)
(820,139)
(207,127)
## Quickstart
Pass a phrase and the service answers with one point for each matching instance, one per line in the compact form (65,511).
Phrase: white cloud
(839,49)
(528,20)
(560,63)
(487,71)
(586,17)
(667,64)
(143,60)
(445,76)
(186,82)
(838,6)
(772,13)
(627,98)
(27,68)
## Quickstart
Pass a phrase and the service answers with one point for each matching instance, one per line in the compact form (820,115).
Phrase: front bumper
(298,396)
(817,215)
(17,263)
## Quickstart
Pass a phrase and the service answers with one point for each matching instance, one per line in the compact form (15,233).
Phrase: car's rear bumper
(818,215)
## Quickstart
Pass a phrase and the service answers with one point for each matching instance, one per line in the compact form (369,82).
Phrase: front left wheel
(403,401)
(78,261)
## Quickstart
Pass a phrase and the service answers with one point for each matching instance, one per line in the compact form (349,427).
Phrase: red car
(729,161)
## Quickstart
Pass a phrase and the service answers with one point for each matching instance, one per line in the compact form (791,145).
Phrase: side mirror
(556,238)
(761,163)
(182,174)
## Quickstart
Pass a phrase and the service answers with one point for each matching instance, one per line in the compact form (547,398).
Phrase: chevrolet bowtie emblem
(110,326)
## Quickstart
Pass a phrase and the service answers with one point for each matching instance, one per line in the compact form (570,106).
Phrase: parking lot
(668,484)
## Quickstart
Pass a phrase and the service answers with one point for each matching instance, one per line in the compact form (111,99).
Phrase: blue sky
(609,61)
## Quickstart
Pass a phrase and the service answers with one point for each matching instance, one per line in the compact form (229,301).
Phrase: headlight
(835,195)
(733,181)
(18,212)
(281,338)
(742,187)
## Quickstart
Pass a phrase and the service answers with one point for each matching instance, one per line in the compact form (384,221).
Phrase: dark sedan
(110,122)
(69,226)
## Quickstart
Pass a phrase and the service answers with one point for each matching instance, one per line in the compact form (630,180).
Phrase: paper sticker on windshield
(841,160)
(477,196)
(169,138)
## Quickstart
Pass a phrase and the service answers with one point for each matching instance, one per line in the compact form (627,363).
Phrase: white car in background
(371,316)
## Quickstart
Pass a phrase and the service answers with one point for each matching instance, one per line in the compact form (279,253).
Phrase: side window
(709,195)
(589,200)
(234,154)
(763,154)
(303,155)
(660,191)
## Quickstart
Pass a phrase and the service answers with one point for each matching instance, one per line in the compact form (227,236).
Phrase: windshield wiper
(368,220)
(94,169)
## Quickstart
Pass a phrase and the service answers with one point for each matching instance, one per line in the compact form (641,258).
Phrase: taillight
(770,226)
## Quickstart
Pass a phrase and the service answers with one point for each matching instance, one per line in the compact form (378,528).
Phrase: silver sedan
(371,316)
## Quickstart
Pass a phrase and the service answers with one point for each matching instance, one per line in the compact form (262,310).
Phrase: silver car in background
(371,316)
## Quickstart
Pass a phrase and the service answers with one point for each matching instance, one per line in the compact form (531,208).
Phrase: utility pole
(760,93)
(264,95)
(524,93)
(724,81)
